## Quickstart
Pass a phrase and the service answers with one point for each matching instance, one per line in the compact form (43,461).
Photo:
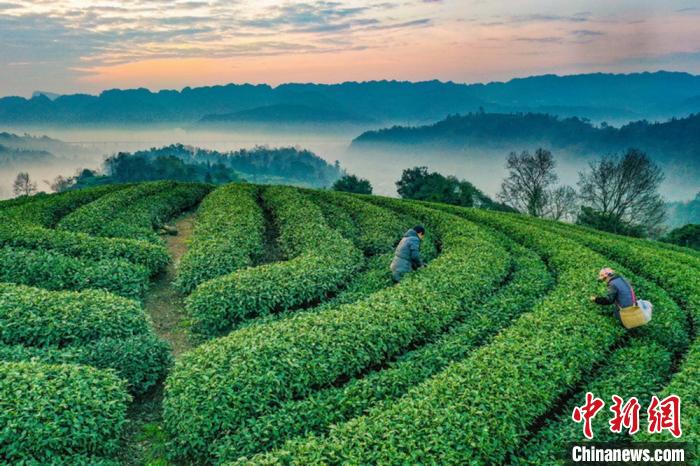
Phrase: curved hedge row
(52,271)
(153,257)
(685,256)
(228,235)
(216,387)
(337,218)
(514,379)
(47,210)
(139,220)
(529,281)
(685,384)
(48,411)
(683,283)
(36,317)
(320,261)
(377,229)
(636,370)
(93,217)
(141,360)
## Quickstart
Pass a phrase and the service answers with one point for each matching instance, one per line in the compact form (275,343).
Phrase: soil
(163,302)
(144,439)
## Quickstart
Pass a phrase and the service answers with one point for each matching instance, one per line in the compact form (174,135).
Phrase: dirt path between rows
(144,439)
(163,302)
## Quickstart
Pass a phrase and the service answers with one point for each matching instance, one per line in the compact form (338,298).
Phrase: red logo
(665,415)
(662,415)
(587,412)
(626,415)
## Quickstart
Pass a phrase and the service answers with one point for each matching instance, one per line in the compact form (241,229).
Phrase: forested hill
(599,96)
(261,164)
(676,139)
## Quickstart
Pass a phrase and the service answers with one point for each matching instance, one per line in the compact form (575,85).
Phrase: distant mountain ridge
(21,158)
(676,140)
(289,113)
(598,96)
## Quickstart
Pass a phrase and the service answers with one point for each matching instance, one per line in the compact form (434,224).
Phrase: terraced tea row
(82,353)
(244,370)
(327,360)
(475,326)
(515,379)
(319,261)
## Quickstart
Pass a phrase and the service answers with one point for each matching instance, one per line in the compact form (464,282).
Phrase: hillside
(261,164)
(599,96)
(675,139)
(287,330)
(28,142)
(12,157)
(284,113)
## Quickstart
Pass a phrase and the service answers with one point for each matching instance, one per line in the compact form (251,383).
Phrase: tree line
(616,193)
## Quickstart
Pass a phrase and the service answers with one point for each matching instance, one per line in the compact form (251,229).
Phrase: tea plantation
(302,349)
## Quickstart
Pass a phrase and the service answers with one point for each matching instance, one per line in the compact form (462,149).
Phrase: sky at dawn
(69,46)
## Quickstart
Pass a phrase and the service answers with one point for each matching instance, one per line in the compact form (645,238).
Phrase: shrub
(151,256)
(228,235)
(254,369)
(685,384)
(682,282)
(36,317)
(48,411)
(135,211)
(378,229)
(54,271)
(320,261)
(139,220)
(46,210)
(333,405)
(515,379)
(141,360)
(93,217)
(637,370)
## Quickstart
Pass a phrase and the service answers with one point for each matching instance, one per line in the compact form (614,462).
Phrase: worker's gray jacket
(620,293)
(407,256)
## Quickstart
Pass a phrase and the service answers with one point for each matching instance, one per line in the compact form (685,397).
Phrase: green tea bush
(529,281)
(153,257)
(36,317)
(93,217)
(53,411)
(320,261)
(377,230)
(252,370)
(139,220)
(46,210)
(636,370)
(336,217)
(682,282)
(228,235)
(52,271)
(686,384)
(141,360)
(515,379)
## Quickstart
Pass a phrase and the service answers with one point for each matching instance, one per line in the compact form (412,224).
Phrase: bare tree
(60,183)
(562,203)
(23,185)
(623,191)
(529,180)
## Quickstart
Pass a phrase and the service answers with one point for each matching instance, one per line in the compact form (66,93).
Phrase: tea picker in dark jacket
(407,256)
